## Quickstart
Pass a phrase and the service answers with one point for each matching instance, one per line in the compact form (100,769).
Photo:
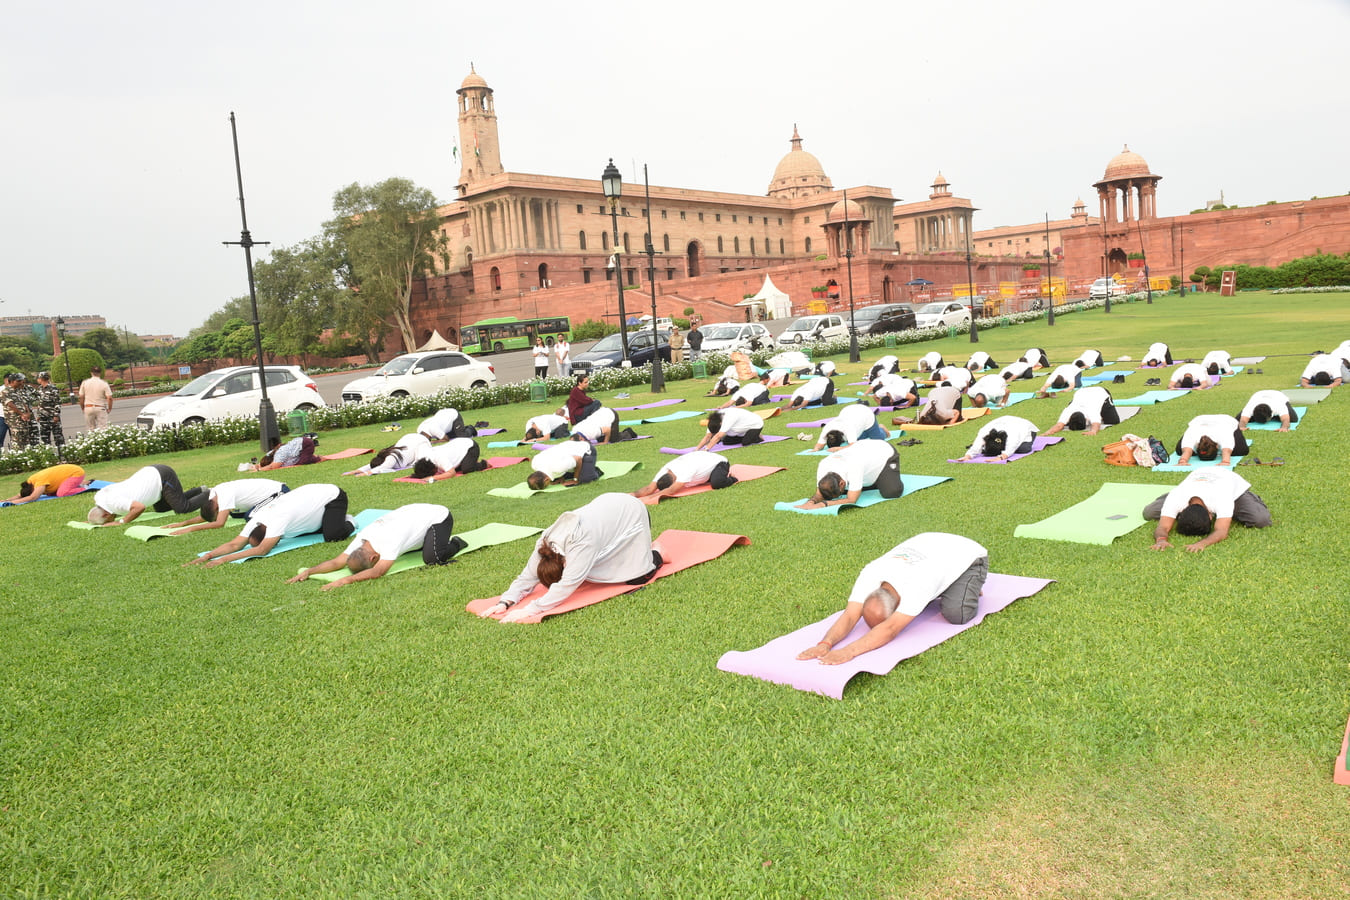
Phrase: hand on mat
(299,577)
(812,504)
(815,651)
(517,613)
(487,613)
(1161,544)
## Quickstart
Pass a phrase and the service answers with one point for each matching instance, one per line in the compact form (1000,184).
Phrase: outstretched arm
(373,572)
(262,549)
(836,633)
(328,565)
(1219,533)
(1162,532)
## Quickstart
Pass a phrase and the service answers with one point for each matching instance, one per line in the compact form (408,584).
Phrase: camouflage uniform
(47,410)
(18,415)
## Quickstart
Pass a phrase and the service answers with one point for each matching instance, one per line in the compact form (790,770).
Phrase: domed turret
(799,173)
(1126,164)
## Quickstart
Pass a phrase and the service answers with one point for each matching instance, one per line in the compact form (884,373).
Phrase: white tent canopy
(436,342)
(777,304)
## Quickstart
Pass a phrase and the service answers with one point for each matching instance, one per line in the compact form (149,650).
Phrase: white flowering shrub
(1329,289)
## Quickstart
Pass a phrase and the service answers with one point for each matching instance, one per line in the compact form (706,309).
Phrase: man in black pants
(375,548)
(308,509)
(150,487)
(845,474)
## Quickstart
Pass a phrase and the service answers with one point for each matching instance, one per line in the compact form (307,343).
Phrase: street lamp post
(1148,285)
(612,184)
(970,284)
(1049,274)
(1106,267)
(268,433)
(853,354)
(658,377)
(70,378)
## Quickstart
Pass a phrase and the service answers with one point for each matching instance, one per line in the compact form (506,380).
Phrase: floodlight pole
(970,285)
(612,184)
(1148,285)
(853,354)
(268,433)
(658,377)
(1049,273)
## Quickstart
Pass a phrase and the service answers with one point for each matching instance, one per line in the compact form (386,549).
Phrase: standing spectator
(676,344)
(563,351)
(96,397)
(18,412)
(540,358)
(695,342)
(49,411)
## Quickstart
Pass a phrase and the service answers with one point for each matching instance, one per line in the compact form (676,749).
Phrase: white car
(942,315)
(729,336)
(813,328)
(1106,287)
(231,392)
(421,374)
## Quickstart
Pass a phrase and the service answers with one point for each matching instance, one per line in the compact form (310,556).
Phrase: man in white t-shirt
(894,390)
(1036,358)
(548,426)
(1089,359)
(308,509)
(1323,370)
(1265,405)
(853,423)
(1190,376)
(446,423)
(569,463)
(752,393)
(1089,410)
(892,590)
(690,470)
(1064,378)
(942,406)
(230,498)
(929,362)
(732,426)
(600,427)
(562,351)
(1003,437)
(1217,362)
(988,390)
(958,377)
(1158,354)
(1212,436)
(402,455)
(866,464)
(979,361)
(816,389)
(151,487)
(1205,504)
(1016,371)
(888,363)
(375,548)
(726,384)
(458,456)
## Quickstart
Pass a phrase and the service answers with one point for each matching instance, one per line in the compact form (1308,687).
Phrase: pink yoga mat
(739,472)
(494,462)
(1039,443)
(777,660)
(346,454)
(679,549)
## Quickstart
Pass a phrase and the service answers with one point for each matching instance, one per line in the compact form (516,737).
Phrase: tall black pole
(1148,285)
(1049,273)
(970,285)
(612,184)
(658,377)
(1106,262)
(1181,245)
(268,433)
(853,354)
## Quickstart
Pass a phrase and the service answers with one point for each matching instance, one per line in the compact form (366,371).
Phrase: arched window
(752,246)
(780,246)
(625,243)
(495,277)
(468,257)
(736,245)
(604,240)
(719,243)
(581,240)
(665,241)
(808,245)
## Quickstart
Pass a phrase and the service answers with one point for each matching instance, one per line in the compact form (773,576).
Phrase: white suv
(231,392)
(813,328)
(421,374)
(1103,288)
(730,336)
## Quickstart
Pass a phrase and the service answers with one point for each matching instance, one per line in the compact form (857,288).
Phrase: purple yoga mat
(669,401)
(640,437)
(777,660)
(485,432)
(722,448)
(1039,443)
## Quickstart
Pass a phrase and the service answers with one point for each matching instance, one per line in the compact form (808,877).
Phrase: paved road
(515,365)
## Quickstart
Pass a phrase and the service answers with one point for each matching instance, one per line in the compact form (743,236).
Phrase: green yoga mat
(489,535)
(87,526)
(913,484)
(1114,510)
(612,468)
(1306,395)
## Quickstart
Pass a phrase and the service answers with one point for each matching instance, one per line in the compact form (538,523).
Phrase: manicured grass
(1153,724)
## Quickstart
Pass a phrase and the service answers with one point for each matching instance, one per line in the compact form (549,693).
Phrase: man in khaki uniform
(96,398)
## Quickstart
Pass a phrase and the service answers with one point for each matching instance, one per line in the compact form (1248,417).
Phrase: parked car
(728,336)
(231,392)
(421,375)
(813,328)
(608,352)
(943,314)
(1106,287)
(883,318)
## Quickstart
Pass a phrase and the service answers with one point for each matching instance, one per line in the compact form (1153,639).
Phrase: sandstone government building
(528,245)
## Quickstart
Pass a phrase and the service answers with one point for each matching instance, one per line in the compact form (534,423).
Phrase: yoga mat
(346,454)
(1148,398)
(669,417)
(148,532)
(611,468)
(723,448)
(1037,444)
(294,542)
(669,401)
(91,486)
(777,660)
(1248,360)
(484,432)
(680,550)
(814,404)
(1107,377)
(488,535)
(966,416)
(1306,395)
(1341,774)
(819,423)
(1125,415)
(502,445)
(1116,509)
(890,436)
(1009,399)
(493,462)
(148,515)
(913,483)
(1274,424)
(739,472)
(1197,463)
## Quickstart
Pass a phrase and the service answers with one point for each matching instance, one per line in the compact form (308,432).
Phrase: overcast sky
(120,181)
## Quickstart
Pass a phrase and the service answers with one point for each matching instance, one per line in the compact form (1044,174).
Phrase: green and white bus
(510,333)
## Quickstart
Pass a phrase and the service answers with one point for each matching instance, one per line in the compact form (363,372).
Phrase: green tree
(238,308)
(298,294)
(106,342)
(82,361)
(389,235)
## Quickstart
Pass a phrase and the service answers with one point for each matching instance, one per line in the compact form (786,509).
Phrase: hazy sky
(120,182)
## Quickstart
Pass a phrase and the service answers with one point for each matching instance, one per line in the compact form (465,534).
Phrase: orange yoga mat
(739,472)
(966,416)
(347,454)
(1342,773)
(679,549)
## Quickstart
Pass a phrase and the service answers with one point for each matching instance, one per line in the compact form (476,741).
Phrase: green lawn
(1153,724)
